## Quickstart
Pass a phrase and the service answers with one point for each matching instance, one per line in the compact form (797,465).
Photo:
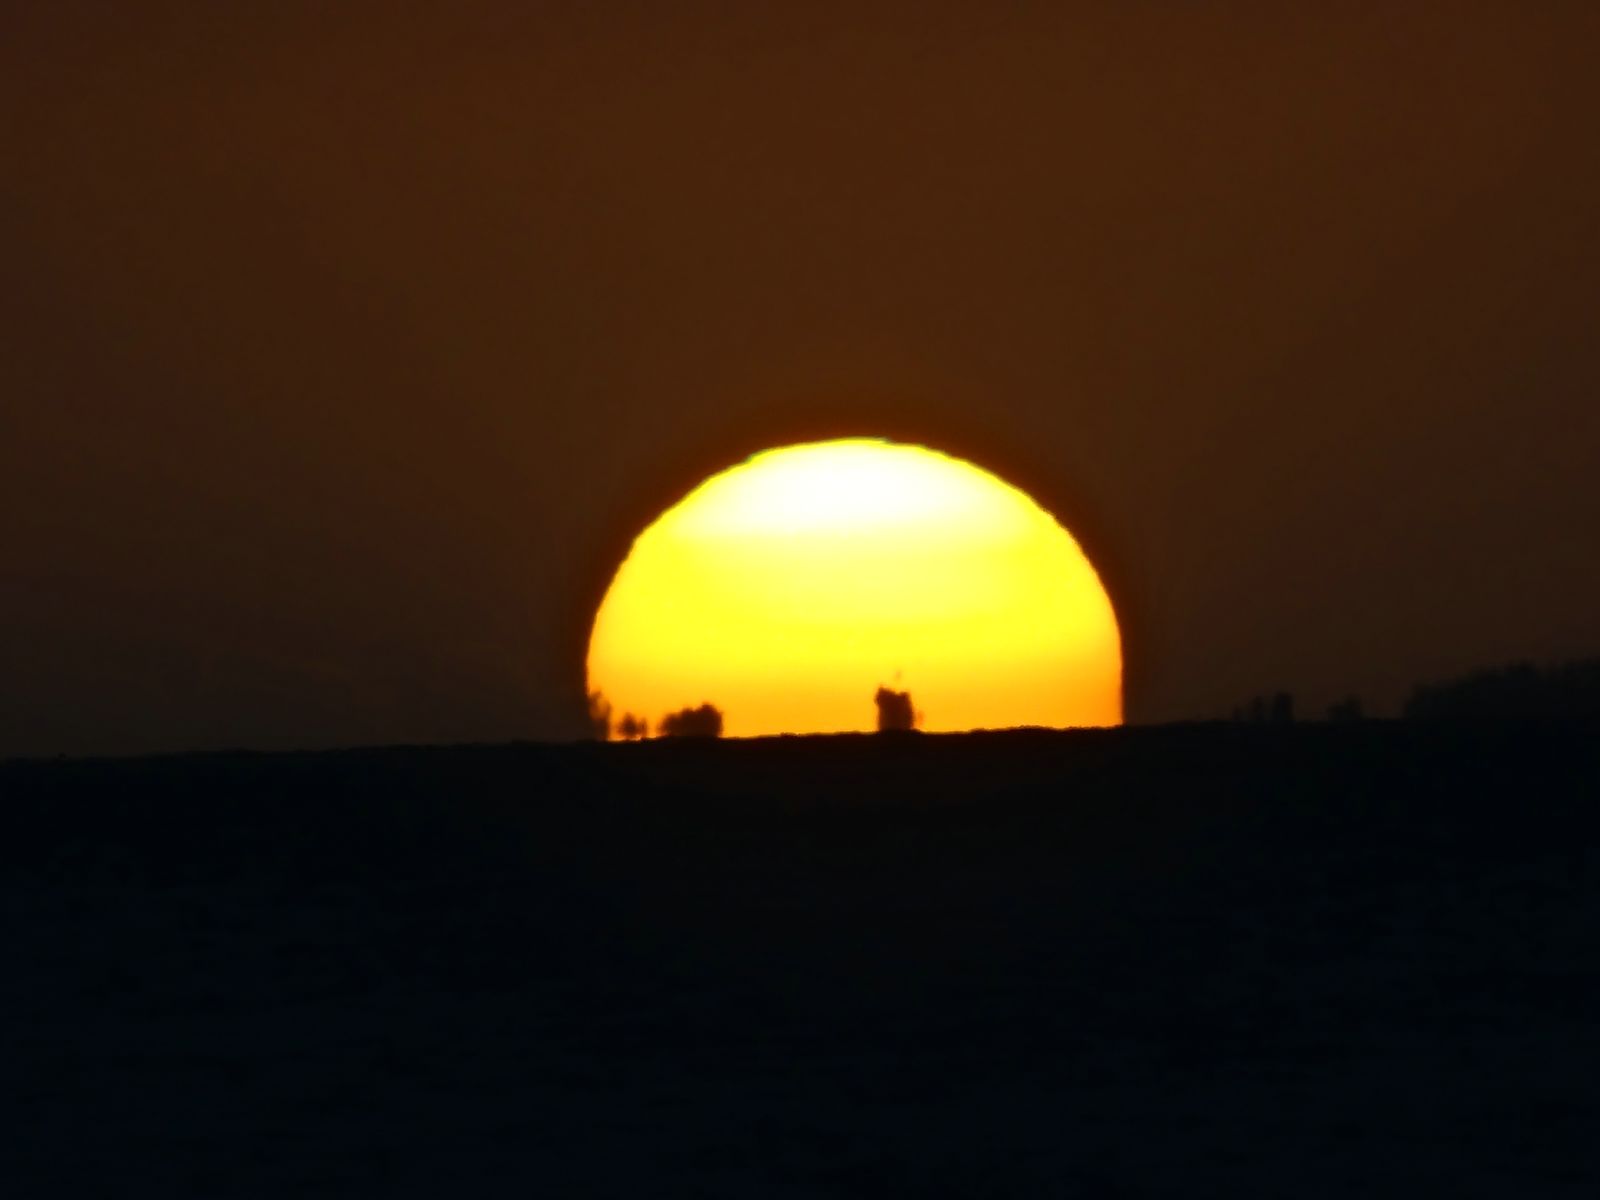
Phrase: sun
(787,590)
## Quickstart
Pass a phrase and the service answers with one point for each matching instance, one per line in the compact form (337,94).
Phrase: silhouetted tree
(632,727)
(599,716)
(1282,708)
(1521,691)
(705,721)
(895,713)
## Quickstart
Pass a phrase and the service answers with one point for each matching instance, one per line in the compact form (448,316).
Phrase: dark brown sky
(342,351)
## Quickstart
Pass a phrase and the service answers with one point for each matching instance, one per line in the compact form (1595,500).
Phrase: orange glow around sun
(786,590)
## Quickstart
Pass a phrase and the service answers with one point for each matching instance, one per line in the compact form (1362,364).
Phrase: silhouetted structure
(1518,692)
(632,727)
(705,721)
(895,714)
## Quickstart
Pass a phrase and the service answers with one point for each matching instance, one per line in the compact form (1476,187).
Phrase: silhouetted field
(1339,960)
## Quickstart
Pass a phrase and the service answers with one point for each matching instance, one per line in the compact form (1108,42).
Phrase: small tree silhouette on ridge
(705,721)
(895,714)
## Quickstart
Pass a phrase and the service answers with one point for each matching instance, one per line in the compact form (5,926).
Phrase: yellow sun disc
(786,590)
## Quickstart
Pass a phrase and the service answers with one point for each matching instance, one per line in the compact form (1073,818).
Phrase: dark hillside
(1209,960)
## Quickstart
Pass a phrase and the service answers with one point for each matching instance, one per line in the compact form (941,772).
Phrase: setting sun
(786,590)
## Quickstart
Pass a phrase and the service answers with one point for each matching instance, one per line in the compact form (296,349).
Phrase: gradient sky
(345,348)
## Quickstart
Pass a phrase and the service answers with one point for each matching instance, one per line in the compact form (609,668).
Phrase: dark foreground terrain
(1353,960)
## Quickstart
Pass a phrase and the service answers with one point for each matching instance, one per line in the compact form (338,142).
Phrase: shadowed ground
(1215,960)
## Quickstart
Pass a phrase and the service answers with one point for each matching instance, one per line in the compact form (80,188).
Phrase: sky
(345,348)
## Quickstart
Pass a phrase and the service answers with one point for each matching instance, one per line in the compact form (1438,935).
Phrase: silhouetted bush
(1521,691)
(632,727)
(705,721)
(895,713)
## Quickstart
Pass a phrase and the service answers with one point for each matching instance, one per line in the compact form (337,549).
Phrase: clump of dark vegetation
(603,721)
(895,713)
(704,722)
(631,728)
(1520,692)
